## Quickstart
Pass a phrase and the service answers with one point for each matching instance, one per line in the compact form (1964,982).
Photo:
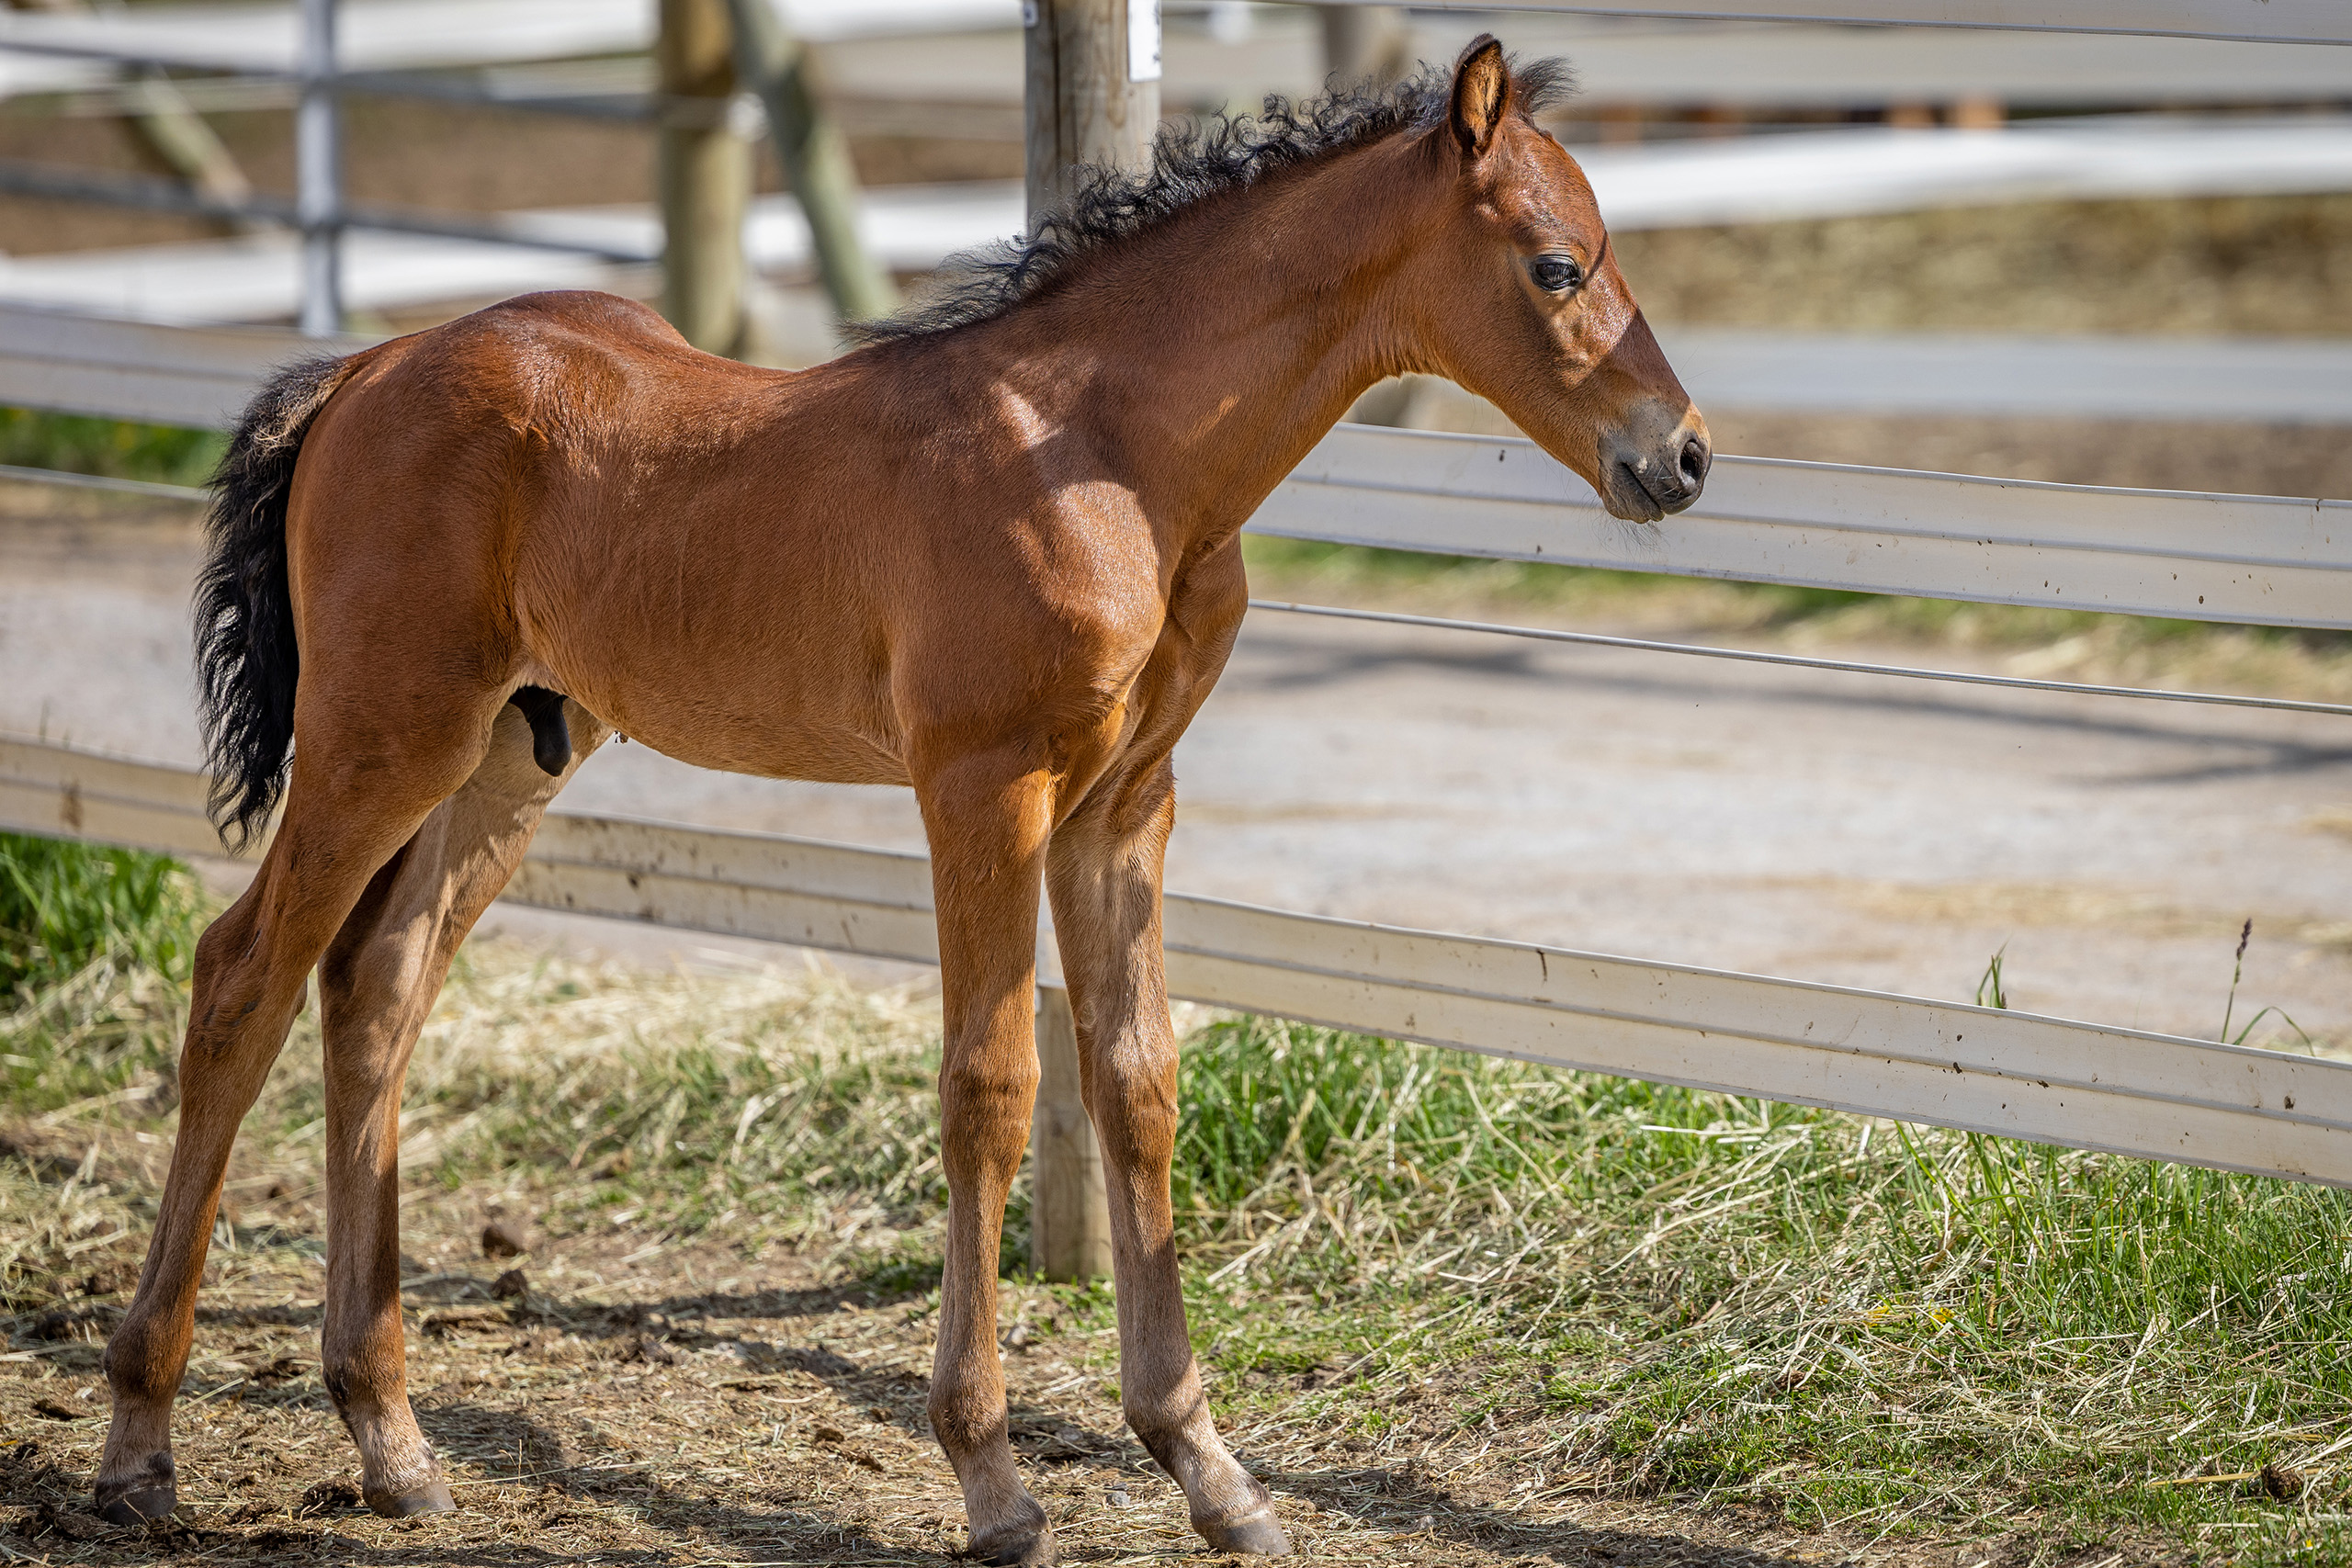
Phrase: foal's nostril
(1695,463)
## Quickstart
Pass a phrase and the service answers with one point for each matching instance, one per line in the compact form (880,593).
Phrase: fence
(2013,1074)
(694,110)
(2252,21)
(2268,560)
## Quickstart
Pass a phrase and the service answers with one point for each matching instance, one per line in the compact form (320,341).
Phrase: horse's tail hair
(245,656)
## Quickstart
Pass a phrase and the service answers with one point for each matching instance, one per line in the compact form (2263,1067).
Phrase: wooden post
(1092,96)
(1070,1216)
(1364,43)
(816,160)
(705,178)
(1093,89)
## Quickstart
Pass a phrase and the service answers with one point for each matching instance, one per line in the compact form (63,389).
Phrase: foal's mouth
(1646,488)
(1638,498)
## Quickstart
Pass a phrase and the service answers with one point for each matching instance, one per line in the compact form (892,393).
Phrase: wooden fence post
(1093,92)
(815,155)
(705,178)
(1091,96)
(1364,43)
(1069,1215)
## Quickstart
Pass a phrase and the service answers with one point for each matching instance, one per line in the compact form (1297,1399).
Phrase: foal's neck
(1202,359)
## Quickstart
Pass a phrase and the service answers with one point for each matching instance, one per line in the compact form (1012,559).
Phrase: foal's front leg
(1105,871)
(988,817)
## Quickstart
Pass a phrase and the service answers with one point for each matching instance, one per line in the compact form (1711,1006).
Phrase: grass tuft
(63,906)
(95,945)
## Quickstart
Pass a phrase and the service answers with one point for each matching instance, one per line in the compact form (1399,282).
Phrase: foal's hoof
(151,1495)
(1252,1535)
(432,1497)
(1014,1549)
(138,1505)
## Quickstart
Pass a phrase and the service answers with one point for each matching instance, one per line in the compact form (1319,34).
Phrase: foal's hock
(992,555)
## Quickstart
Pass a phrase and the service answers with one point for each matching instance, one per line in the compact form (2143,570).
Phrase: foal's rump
(553,495)
(359,502)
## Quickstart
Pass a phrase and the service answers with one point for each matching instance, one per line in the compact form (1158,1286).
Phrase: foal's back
(743,568)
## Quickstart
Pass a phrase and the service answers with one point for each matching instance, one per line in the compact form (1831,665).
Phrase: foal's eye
(1555,275)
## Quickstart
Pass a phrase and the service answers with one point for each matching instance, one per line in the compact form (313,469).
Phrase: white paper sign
(1143,40)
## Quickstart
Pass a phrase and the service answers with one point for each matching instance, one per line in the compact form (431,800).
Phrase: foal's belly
(805,639)
(741,715)
(783,686)
(775,744)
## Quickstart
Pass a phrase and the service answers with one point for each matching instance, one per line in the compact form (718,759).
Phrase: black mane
(1189,162)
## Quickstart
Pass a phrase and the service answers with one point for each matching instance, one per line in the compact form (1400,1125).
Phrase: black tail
(245,656)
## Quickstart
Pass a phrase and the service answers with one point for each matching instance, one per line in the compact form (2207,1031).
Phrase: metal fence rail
(2250,21)
(192,376)
(2267,561)
(2013,1074)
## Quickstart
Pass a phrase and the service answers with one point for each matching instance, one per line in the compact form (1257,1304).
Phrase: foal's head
(1520,300)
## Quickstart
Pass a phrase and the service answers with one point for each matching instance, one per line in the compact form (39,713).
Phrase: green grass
(95,950)
(1396,1255)
(118,449)
(64,906)
(1850,1323)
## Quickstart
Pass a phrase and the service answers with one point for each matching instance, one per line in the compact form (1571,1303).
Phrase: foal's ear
(1481,95)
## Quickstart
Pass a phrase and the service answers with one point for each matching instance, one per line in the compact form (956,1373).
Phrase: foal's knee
(984,1112)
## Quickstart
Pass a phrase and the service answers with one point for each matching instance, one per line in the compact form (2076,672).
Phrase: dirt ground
(607,1397)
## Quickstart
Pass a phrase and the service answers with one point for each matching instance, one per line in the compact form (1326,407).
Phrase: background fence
(2255,560)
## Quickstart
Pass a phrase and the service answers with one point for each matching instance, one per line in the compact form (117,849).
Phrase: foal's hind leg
(1105,873)
(342,822)
(376,983)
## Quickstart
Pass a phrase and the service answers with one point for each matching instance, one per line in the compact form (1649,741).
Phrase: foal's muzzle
(1647,473)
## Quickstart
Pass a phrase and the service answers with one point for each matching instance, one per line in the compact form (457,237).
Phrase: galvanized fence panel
(2253,21)
(2269,560)
(170,375)
(2017,1075)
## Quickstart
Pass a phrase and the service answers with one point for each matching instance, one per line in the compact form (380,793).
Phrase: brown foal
(992,555)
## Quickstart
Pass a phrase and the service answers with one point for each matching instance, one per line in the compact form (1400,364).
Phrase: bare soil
(2261,264)
(623,1400)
